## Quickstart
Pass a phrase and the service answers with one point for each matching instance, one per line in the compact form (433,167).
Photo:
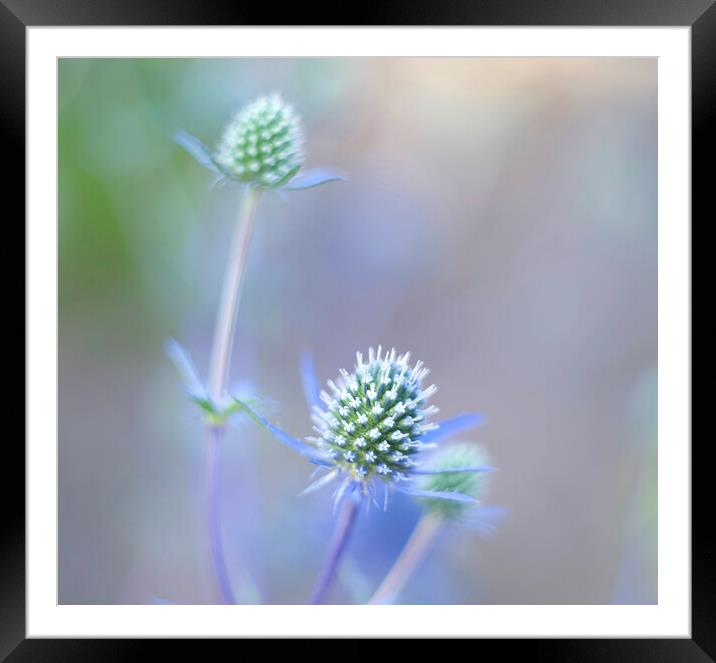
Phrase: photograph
(357,330)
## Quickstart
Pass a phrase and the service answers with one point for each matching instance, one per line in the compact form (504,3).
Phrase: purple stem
(213,514)
(340,537)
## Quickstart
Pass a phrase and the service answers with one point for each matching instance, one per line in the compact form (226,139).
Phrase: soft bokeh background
(499,222)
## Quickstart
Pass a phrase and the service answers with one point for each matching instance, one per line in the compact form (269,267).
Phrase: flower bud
(470,484)
(263,144)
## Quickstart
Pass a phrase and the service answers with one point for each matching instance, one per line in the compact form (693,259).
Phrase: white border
(670,618)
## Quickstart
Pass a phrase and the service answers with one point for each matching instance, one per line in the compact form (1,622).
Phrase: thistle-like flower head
(372,428)
(446,463)
(371,423)
(263,144)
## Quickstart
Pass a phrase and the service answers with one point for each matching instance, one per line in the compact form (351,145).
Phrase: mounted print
(365,332)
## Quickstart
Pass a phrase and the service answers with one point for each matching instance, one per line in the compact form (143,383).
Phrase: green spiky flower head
(471,484)
(263,144)
(375,416)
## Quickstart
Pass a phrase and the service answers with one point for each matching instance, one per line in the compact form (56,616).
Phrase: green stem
(408,560)
(218,379)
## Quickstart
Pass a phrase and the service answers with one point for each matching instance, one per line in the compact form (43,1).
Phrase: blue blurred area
(499,222)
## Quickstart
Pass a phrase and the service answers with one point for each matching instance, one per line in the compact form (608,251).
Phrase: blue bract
(372,427)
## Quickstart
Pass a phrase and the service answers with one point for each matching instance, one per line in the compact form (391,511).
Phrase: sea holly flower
(370,431)
(371,428)
(447,462)
(262,147)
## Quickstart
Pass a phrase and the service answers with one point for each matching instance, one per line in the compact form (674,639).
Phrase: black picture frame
(17,15)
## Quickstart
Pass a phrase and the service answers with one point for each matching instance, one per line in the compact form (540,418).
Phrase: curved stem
(340,537)
(230,294)
(408,560)
(218,378)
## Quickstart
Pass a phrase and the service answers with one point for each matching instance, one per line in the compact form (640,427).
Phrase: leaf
(286,177)
(198,150)
(456,470)
(308,452)
(313,178)
(349,489)
(452,426)
(438,495)
(258,405)
(309,379)
(193,385)
(319,483)
(206,405)
(218,182)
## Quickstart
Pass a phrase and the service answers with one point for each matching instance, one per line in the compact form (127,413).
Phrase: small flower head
(446,480)
(372,422)
(263,144)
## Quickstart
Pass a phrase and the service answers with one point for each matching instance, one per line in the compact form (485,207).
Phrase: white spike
(319,483)
(339,493)
(427,393)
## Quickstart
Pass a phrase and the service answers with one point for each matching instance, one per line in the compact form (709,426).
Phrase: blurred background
(500,222)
